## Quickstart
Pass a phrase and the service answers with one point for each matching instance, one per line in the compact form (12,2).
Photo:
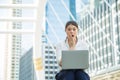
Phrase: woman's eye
(69,29)
(74,29)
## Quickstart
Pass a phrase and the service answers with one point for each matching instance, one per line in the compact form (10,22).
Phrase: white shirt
(81,45)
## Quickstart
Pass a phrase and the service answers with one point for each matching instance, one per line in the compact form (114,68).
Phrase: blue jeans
(72,75)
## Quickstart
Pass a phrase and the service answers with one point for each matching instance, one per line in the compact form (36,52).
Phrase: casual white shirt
(80,45)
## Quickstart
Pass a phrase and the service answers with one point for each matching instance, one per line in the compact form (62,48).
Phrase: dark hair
(71,23)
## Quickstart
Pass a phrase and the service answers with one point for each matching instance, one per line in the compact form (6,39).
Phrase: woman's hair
(71,23)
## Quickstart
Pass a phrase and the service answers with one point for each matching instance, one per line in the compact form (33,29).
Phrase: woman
(71,43)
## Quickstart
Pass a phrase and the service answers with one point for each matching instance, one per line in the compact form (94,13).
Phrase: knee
(78,73)
(68,75)
(82,75)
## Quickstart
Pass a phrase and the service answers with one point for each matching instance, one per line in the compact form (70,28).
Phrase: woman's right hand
(60,63)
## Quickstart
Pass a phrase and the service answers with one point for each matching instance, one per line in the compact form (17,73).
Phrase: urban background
(22,29)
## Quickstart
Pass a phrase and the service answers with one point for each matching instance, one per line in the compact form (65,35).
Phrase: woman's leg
(65,75)
(69,75)
(81,75)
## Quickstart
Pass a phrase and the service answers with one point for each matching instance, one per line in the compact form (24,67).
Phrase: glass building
(27,71)
(100,28)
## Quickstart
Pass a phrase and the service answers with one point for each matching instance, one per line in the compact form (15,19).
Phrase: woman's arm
(58,54)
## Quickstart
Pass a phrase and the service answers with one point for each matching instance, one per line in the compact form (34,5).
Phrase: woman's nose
(71,31)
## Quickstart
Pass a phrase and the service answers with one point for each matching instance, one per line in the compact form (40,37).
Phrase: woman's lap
(65,75)
(72,75)
(81,75)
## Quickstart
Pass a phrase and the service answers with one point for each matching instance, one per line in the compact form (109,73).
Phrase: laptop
(75,59)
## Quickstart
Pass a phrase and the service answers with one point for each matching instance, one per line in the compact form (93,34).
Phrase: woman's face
(71,31)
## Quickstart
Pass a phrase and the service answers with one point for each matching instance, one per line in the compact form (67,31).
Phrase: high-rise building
(100,28)
(13,45)
(94,3)
(50,62)
(27,71)
(58,12)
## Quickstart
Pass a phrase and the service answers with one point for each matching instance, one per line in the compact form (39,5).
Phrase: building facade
(100,28)
(50,61)
(13,44)
(27,71)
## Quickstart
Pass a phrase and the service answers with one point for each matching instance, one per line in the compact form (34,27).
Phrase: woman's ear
(78,32)
(65,30)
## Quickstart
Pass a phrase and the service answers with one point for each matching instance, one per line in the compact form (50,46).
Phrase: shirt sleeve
(58,52)
(86,46)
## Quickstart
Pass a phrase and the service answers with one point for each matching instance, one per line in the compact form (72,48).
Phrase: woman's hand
(60,63)
(72,42)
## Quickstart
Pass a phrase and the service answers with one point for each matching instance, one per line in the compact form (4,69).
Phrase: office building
(27,71)
(100,28)
(13,45)
(50,62)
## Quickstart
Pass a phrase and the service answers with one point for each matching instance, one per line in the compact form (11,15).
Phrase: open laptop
(75,59)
